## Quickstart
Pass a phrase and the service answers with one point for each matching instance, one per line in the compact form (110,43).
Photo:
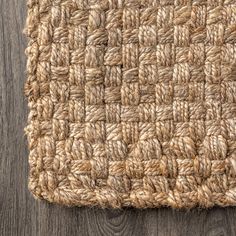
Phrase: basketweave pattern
(132,102)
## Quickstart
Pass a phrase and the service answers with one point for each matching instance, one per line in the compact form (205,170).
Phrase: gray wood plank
(20,214)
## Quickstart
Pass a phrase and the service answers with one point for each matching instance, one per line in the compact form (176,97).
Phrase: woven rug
(132,102)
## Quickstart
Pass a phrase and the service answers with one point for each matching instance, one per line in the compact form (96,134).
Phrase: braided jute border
(132,102)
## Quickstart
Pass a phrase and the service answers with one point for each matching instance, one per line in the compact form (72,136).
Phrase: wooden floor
(20,214)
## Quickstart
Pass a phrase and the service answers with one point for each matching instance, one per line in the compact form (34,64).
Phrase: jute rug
(132,102)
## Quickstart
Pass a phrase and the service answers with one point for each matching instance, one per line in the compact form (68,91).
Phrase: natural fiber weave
(132,102)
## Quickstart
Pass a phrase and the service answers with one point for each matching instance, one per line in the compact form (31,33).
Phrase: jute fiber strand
(132,102)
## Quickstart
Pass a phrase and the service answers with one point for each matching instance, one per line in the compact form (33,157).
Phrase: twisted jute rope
(132,102)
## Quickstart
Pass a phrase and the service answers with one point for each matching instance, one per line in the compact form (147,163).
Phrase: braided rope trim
(132,102)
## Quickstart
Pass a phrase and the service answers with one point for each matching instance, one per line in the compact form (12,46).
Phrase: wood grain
(20,214)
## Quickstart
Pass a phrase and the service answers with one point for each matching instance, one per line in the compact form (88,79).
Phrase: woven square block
(132,102)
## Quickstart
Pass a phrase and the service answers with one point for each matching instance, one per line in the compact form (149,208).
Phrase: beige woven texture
(132,102)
